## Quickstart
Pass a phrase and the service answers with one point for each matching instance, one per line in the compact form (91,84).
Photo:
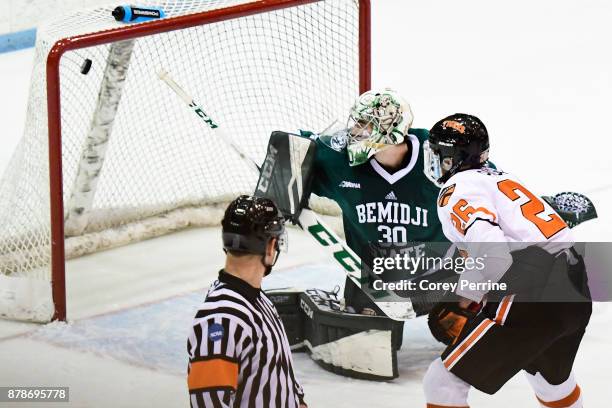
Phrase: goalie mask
(457,142)
(377,120)
(250,223)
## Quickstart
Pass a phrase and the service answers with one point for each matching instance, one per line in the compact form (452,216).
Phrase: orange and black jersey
(239,355)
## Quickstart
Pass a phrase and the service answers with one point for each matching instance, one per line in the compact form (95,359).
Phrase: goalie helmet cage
(109,155)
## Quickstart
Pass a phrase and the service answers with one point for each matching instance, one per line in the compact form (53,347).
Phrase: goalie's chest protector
(378,206)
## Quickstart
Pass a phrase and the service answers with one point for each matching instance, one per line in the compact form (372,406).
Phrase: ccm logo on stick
(266,170)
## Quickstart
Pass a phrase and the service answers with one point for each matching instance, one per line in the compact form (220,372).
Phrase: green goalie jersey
(379,206)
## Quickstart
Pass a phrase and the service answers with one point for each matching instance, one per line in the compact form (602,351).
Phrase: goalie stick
(394,306)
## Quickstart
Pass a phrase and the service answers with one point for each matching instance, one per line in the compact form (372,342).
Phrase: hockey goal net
(109,155)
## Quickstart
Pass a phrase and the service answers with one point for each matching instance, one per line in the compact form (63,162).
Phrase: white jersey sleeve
(462,202)
(478,208)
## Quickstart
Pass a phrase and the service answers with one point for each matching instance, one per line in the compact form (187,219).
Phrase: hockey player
(374,170)
(239,355)
(526,244)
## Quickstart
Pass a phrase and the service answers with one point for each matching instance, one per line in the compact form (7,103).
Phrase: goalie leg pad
(349,344)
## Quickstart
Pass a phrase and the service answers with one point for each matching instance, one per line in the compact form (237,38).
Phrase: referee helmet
(250,223)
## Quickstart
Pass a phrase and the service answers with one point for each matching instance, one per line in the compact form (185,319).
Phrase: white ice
(538,74)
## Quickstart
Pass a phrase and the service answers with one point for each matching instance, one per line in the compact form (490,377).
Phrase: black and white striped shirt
(239,355)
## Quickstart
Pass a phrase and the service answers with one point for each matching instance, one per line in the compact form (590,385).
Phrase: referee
(239,355)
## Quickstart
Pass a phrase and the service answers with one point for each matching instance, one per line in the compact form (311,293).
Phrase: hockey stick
(391,304)
(197,109)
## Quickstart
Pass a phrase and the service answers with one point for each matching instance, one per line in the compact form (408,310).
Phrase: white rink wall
(18,15)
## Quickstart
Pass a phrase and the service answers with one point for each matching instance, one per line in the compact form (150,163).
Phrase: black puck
(86,66)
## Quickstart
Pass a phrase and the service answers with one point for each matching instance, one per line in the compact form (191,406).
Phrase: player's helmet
(250,223)
(377,121)
(457,142)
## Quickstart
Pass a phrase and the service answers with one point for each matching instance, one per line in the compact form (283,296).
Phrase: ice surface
(537,73)
(142,349)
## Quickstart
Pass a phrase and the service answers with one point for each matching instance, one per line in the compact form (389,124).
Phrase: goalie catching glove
(447,319)
(574,208)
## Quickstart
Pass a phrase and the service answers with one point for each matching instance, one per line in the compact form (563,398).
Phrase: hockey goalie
(373,168)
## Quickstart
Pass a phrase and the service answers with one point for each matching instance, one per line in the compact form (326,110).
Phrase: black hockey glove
(446,320)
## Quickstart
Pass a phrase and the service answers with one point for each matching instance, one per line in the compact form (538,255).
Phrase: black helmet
(249,223)
(461,138)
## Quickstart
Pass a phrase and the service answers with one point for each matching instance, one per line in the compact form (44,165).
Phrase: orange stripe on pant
(503,308)
(565,402)
(213,373)
(467,343)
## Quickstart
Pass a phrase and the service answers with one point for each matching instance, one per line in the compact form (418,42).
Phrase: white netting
(295,68)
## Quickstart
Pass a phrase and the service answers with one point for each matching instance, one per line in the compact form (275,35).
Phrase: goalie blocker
(286,174)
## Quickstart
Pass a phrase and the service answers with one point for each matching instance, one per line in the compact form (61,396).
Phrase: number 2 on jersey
(532,208)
